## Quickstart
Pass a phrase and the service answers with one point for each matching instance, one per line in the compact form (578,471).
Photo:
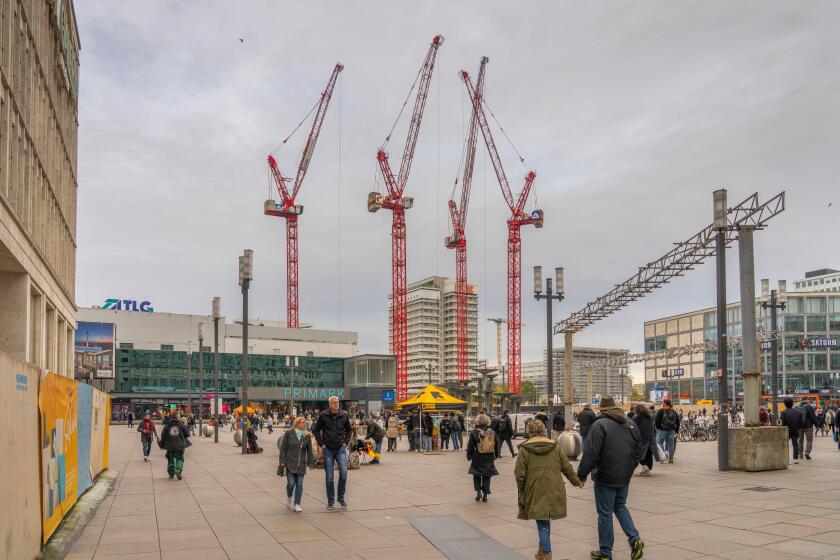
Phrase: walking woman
(481,453)
(393,432)
(296,453)
(147,431)
(542,492)
(644,421)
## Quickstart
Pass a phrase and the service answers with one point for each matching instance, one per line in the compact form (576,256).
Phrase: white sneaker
(796,461)
(291,502)
(644,472)
(298,509)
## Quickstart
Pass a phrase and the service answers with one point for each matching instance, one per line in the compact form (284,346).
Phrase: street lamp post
(216,316)
(189,375)
(549,298)
(720,224)
(774,304)
(200,377)
(246,274)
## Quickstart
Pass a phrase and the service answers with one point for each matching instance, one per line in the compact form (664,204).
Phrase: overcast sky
(631,113)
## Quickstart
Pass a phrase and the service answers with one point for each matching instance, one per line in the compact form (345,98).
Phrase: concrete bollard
(207,430)
(571,444)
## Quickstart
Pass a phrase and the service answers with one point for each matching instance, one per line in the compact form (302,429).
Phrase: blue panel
(84,434)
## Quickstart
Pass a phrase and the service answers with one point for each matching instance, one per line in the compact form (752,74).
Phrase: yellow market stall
(432,398)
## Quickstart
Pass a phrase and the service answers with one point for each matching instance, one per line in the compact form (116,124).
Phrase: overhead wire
(407,97)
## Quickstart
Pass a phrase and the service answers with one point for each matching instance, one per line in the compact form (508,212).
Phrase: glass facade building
(808,340)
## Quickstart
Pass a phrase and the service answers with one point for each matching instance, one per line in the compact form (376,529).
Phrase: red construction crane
(287,207)
(458,239)
(518,218)
(398,204)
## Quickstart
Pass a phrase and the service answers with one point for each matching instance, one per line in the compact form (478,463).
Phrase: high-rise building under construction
(432,332)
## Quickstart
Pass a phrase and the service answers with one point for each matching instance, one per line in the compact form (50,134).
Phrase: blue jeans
(427,442)
(668,441)
(330,457)
(610,500)
(456,442)
(544,532)
(147,447)
(294,483)
(377,446)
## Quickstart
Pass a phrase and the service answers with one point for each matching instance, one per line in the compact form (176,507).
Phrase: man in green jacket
(174,441)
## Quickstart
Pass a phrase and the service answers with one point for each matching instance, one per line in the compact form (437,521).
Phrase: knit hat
(607,402)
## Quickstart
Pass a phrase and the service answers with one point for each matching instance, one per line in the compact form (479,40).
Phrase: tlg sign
(128,305)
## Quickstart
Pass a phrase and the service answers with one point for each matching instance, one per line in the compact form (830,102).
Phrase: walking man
(610,453)
(148,433)
(667,423)
(792,418)
(586,418)
(806,434)
(333,433)
(505,433)
(174,440)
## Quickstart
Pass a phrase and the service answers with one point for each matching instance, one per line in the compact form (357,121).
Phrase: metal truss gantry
(683,257)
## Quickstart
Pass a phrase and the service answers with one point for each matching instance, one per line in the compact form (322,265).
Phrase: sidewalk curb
(75,522)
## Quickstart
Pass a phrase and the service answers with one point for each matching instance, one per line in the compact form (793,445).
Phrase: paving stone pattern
(231,506)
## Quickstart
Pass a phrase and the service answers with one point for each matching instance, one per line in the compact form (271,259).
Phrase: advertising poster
(659,395)
(58,407)
(94,350)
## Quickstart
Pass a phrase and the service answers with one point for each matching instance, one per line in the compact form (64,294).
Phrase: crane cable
(286,139)
(407,97)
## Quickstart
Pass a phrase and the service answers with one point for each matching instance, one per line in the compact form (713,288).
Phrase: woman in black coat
(644,421)
(482,465)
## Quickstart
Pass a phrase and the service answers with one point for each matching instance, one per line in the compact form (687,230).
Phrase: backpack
(486,441)
(670,420)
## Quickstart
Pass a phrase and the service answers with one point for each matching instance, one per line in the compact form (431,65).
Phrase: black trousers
(509,443)
(648,460)
(481,483)
(392,444)
(794,442)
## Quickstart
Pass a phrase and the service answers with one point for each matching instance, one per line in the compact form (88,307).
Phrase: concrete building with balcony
(39,63)
(432,334)
(610,380)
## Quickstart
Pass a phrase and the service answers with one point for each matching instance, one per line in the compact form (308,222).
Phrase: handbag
(281,470)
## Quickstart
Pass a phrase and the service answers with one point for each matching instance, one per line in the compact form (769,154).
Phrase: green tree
(529,392)
(638,393)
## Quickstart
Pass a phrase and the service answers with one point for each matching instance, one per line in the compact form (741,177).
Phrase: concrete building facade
(39,63)
(432,335)
(605,380)
(822,280)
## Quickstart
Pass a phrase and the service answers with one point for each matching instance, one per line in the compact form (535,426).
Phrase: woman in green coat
(542,492)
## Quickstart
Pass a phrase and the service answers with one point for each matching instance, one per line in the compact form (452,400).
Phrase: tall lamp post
(720,224)
(200,378)
(774,304)
(246,274)
(189,375)
(217,313)
(292,363)
(549,296)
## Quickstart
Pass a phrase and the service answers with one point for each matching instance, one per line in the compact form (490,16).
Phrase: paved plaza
(231,506)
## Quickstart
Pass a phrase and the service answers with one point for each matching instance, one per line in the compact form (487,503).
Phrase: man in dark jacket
(792,418)
(174,440)
(667,425)
(409,430)
(585,419)
(558,423)
(611,452)
(505,434)
(806,434)
(333,432)
(543,417)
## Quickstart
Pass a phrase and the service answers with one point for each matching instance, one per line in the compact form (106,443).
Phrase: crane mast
(394,201)
(288,209)
(458,239)
(517,219)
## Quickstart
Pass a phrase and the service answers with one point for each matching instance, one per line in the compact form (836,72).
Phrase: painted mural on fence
(85,417)
(58,401)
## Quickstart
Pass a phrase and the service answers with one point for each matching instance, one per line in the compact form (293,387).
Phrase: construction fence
(54,443)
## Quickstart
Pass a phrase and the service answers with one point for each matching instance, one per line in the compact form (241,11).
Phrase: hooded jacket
(542,492)
(612,450)
(174,436)
(296,453)
(586,418)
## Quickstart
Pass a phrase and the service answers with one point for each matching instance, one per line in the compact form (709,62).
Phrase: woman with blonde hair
(481,452)
(296,454)
(542,492)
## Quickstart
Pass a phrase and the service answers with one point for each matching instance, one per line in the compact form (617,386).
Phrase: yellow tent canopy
(238,409)
(432,398)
